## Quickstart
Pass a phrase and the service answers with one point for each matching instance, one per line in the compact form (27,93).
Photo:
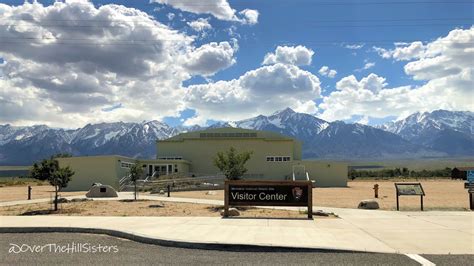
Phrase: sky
(184,62)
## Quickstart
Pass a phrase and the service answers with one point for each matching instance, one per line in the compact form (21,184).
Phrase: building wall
(181,165)
(94,169)
(201,153)
(327,173)
(198,155)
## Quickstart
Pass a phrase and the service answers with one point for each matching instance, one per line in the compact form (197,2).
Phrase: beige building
(274,157)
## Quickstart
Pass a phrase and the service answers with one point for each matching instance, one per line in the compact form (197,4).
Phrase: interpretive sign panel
(470,176)
(268,193)
(409,189)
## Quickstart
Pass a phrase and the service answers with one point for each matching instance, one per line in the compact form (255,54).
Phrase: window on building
(170,158)
(228,135)
(126,164)
(278,158)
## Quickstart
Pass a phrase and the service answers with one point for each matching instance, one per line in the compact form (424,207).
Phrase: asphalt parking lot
(78,248)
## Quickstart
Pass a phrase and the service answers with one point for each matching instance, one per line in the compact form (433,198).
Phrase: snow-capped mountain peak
(420,134)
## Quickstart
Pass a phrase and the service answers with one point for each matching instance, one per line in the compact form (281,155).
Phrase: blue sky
(327,28)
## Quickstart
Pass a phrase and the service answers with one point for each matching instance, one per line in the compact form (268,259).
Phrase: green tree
(136,171)
(58,177)
(231,163)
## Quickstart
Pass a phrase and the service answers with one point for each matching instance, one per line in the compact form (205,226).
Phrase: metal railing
(187,184)
(306,175)
(123,182)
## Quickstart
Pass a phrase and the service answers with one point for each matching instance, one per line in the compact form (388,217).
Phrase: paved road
(116,251)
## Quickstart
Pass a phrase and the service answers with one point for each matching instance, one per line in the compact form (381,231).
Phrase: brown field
(141,208)
(440,195)
(11,193)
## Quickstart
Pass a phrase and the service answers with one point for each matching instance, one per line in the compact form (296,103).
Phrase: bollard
(376,191)
(169,188)
(29,192)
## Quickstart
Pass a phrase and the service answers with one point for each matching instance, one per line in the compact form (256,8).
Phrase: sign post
(409,189)
(471,200)
(268,193)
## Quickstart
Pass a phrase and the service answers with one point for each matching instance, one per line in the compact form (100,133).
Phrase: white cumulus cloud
(220,9)
(294,55)
(250,16)
(210,58)
(403,51)
(66,76)
(200,24)
(327,72)
(258,91)
(446,66)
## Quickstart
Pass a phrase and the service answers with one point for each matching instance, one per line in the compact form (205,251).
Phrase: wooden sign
(409,189)
(268,193)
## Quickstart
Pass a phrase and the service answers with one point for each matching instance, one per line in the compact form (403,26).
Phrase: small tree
(58,177)
(136,171)
(231,163)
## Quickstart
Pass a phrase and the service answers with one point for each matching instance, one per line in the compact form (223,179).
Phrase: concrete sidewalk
(373,231)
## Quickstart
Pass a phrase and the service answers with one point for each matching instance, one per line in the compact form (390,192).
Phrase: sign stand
(268,193)
(409,189)
(470,189)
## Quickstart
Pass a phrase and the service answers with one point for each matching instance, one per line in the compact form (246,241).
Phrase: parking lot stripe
(420,259)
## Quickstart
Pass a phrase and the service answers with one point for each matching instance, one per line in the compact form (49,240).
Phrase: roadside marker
(420,259)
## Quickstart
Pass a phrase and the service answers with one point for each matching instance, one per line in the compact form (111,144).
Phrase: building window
(228,135)
(278,158)
(170,158)
(126,164)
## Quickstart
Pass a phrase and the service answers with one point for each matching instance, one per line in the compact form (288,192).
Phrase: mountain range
(436,134)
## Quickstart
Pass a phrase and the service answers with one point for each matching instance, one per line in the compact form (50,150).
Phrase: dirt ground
(141,208)
(11,193)
(440,195)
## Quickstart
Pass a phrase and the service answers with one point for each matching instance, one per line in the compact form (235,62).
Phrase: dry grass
(440,195)
(11,193)
(140,208)
(16,181)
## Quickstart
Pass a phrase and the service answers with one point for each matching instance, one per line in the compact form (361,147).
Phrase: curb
(173,243)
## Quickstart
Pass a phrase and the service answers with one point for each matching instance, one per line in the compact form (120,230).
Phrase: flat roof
(229,133)
(97,156)
(157,161)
